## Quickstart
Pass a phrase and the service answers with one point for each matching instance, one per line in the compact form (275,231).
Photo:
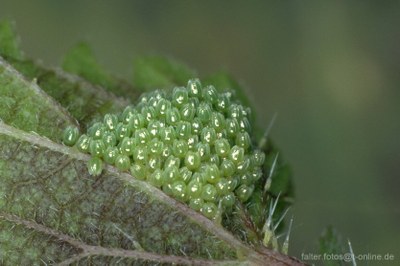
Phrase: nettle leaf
(154,72)
(80,60)
(53,212)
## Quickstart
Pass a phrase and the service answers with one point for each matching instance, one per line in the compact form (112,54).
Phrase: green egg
(97,147)
(210,94)
(186,174)
(192,160)
(122,131)
(172,161)
(209,210)
(148,113)
(256,174)
(138,171)
(194,189)
(140,154)
(194,87)
(244,124)
(258,158)
(223,102)
(197,126)
(162,107)
(228,200)
(222,148)
(222,187)
(204,150)
(232,183)
(155,147)
(243,166)
(156,178)
(183,130)
(137,121)
(109,139)
(70,136)
(179,96)
(246,179)
(128,112)
(154,128)
(154,163)
(235,111)
(209,193)
(217,121)
(236,155)
(179,190)
(243,140)
(167,134)
(227,168)
(212,174)
(196,203)
(243,192)
(192,141)
(214,159)
(96,131)
(198,177)
(204,112)
(170,175)
(166,152)
(127,146)
(231,127)
(188,112)
(95,166)
(208,135)
(179,148)
(122,162)
(110,154)
(173,116)
(111,121)
(142,136)
(83,143)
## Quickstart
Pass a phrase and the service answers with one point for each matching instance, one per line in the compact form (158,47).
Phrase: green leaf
(154,72)
(85,102)
(80,60)
(58,213)
(53,211)
(8,41)
(24,105)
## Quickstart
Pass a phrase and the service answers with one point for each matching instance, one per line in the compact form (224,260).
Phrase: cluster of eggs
(193,143)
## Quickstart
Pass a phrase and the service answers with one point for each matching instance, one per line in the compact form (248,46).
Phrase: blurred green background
(331,70)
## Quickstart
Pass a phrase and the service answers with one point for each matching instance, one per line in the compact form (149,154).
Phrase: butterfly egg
(204,112)
(192,160)
(179,190)
(209,210)
(196,203)
(97,130)
(210,94)
(83,143)
(179,96)
(139,171)
(95,166)
(194,87)
(209,193)
(110,121)
(110,154)
(97,147)
(122,162)
(244,192)
(70,136)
